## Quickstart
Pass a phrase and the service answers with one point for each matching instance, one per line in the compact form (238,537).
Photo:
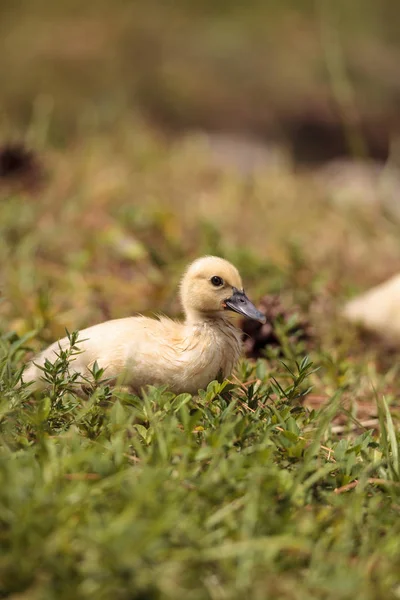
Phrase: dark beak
(240,303)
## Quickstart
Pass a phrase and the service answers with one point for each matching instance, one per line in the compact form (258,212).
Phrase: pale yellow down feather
(140,350)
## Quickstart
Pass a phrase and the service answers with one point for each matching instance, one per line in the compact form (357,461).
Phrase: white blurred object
(378,310)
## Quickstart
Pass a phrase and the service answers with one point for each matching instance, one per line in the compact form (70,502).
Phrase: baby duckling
(185,356)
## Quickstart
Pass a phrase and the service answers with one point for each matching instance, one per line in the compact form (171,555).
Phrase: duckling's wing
(106,343)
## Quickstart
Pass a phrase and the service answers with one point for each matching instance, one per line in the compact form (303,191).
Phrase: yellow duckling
(185,356)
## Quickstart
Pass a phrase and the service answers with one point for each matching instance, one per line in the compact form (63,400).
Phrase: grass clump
(241,490)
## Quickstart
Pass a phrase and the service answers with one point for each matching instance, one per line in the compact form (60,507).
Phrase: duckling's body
(184,356)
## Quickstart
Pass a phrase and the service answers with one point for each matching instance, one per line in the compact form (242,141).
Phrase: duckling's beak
(240,303)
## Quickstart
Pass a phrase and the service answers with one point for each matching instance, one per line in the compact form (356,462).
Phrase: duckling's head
(210,287)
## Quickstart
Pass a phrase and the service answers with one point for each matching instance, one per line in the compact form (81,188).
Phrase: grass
(284,482)
(241,490)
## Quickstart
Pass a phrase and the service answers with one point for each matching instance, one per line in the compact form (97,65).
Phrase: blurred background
(136,135)
(320,77)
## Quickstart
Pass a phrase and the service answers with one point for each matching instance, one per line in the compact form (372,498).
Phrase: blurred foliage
(290,70)
(240,490)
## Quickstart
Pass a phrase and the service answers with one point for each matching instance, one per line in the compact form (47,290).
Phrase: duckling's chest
(185,360)
(213,353)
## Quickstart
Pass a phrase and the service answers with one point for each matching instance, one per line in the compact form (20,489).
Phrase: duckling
(378,310)
(184,356)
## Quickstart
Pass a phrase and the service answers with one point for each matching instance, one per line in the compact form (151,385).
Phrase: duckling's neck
(215,339)
(217,318)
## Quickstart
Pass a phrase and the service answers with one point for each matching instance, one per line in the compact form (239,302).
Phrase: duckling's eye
(217,281)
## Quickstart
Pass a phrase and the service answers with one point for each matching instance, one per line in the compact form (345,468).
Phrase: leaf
(118,414)
(180,401)
(204,453)
(388,437)
(44,408)
(21,341)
